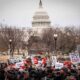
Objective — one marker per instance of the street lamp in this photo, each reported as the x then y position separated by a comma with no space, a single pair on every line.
10,50
55,39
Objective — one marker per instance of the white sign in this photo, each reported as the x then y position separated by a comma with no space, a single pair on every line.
58,65
74,57
54,60
18,65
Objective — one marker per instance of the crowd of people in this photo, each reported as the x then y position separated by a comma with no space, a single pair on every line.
29,72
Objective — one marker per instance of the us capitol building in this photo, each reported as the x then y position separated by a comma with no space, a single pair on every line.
40,20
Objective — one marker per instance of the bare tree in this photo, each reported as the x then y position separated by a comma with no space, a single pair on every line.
48,39
13,33
67,40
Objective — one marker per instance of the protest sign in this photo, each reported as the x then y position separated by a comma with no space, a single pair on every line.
44,60
74,57
58,65
19,64
35,60
54,60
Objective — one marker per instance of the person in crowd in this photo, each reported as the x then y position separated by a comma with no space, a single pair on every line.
28,72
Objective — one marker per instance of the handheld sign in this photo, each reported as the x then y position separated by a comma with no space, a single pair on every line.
58,65
74,58
18,65
54,60
35,60
44,61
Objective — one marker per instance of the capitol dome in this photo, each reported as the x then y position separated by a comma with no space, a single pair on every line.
41,16
40,19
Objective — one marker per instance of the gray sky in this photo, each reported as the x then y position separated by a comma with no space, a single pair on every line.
20,12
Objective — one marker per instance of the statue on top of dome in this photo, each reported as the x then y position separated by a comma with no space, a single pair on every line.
40,3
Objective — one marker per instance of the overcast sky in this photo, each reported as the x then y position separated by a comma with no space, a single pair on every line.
20,12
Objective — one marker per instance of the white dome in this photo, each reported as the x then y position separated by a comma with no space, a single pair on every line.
40,20
40,15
